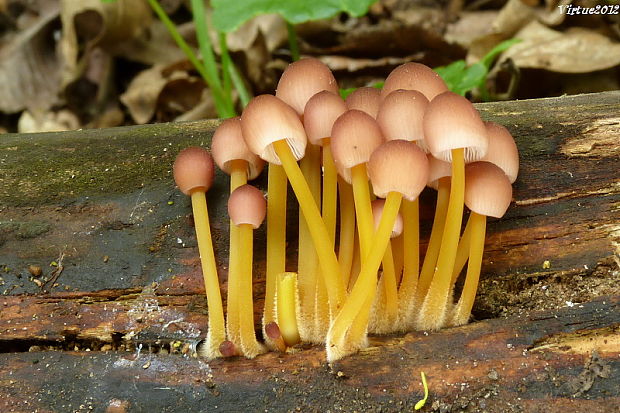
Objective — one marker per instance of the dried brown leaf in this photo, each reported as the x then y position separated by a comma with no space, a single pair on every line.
62,120
29,67
576,50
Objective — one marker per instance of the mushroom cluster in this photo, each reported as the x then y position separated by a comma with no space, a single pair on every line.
357,168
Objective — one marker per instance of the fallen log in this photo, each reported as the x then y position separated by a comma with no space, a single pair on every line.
97,253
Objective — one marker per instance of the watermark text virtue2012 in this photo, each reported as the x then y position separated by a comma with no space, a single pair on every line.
571,10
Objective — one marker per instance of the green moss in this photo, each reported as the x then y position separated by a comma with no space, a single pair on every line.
58,167
24,229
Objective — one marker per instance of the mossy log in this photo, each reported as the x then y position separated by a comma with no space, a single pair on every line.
97,214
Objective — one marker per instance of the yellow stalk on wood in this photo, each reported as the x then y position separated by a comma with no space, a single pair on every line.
238,177
411,262
434,243
217,330
346,242
330,269
466,302
432,315
276,237
287,306
337,344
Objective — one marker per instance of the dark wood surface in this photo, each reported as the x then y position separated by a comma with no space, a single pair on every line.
101,205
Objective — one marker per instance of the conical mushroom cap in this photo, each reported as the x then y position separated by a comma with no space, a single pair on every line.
265,120
355,136
452,122
366,99
193,170
303,79
502,150
398,166
401,116
487,189
228,145
247,205
414,76
320,113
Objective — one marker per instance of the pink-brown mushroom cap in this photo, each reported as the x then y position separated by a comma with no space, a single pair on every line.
366,99
267,119
355,136
487,189
452,122
247,205
414,76
303,79
398,166
502,150
377,209
228,145
193,170
401,116
320,113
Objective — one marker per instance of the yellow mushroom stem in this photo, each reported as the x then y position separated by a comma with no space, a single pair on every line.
399,257
238,177
307,259
411,261
366,281
462,252
330,269
363,209
466,302
250,347
217,330
276,237
390,291
330,190
432,315
346,243
434,243
287,305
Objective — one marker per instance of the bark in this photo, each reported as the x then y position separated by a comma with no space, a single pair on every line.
97,211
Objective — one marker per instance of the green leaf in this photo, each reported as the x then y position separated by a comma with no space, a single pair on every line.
230,14
452,74
488,59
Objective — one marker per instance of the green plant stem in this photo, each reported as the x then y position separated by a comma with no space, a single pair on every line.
204,42
223,110
226,62
231,73
292,41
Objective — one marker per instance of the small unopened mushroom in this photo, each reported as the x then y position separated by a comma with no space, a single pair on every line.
273,131
193,173
366,99
232,156
385,171
488,192
247,209
414,76
454,132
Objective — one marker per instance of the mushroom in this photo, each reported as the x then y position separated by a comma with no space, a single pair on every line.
488,192
396,106
454,132
319,115
232,156
299,83
385,168
274,132
247,209
193,173
503,152
366,99
355,135
414,76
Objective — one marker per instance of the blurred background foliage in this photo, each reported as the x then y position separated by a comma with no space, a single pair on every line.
68,64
